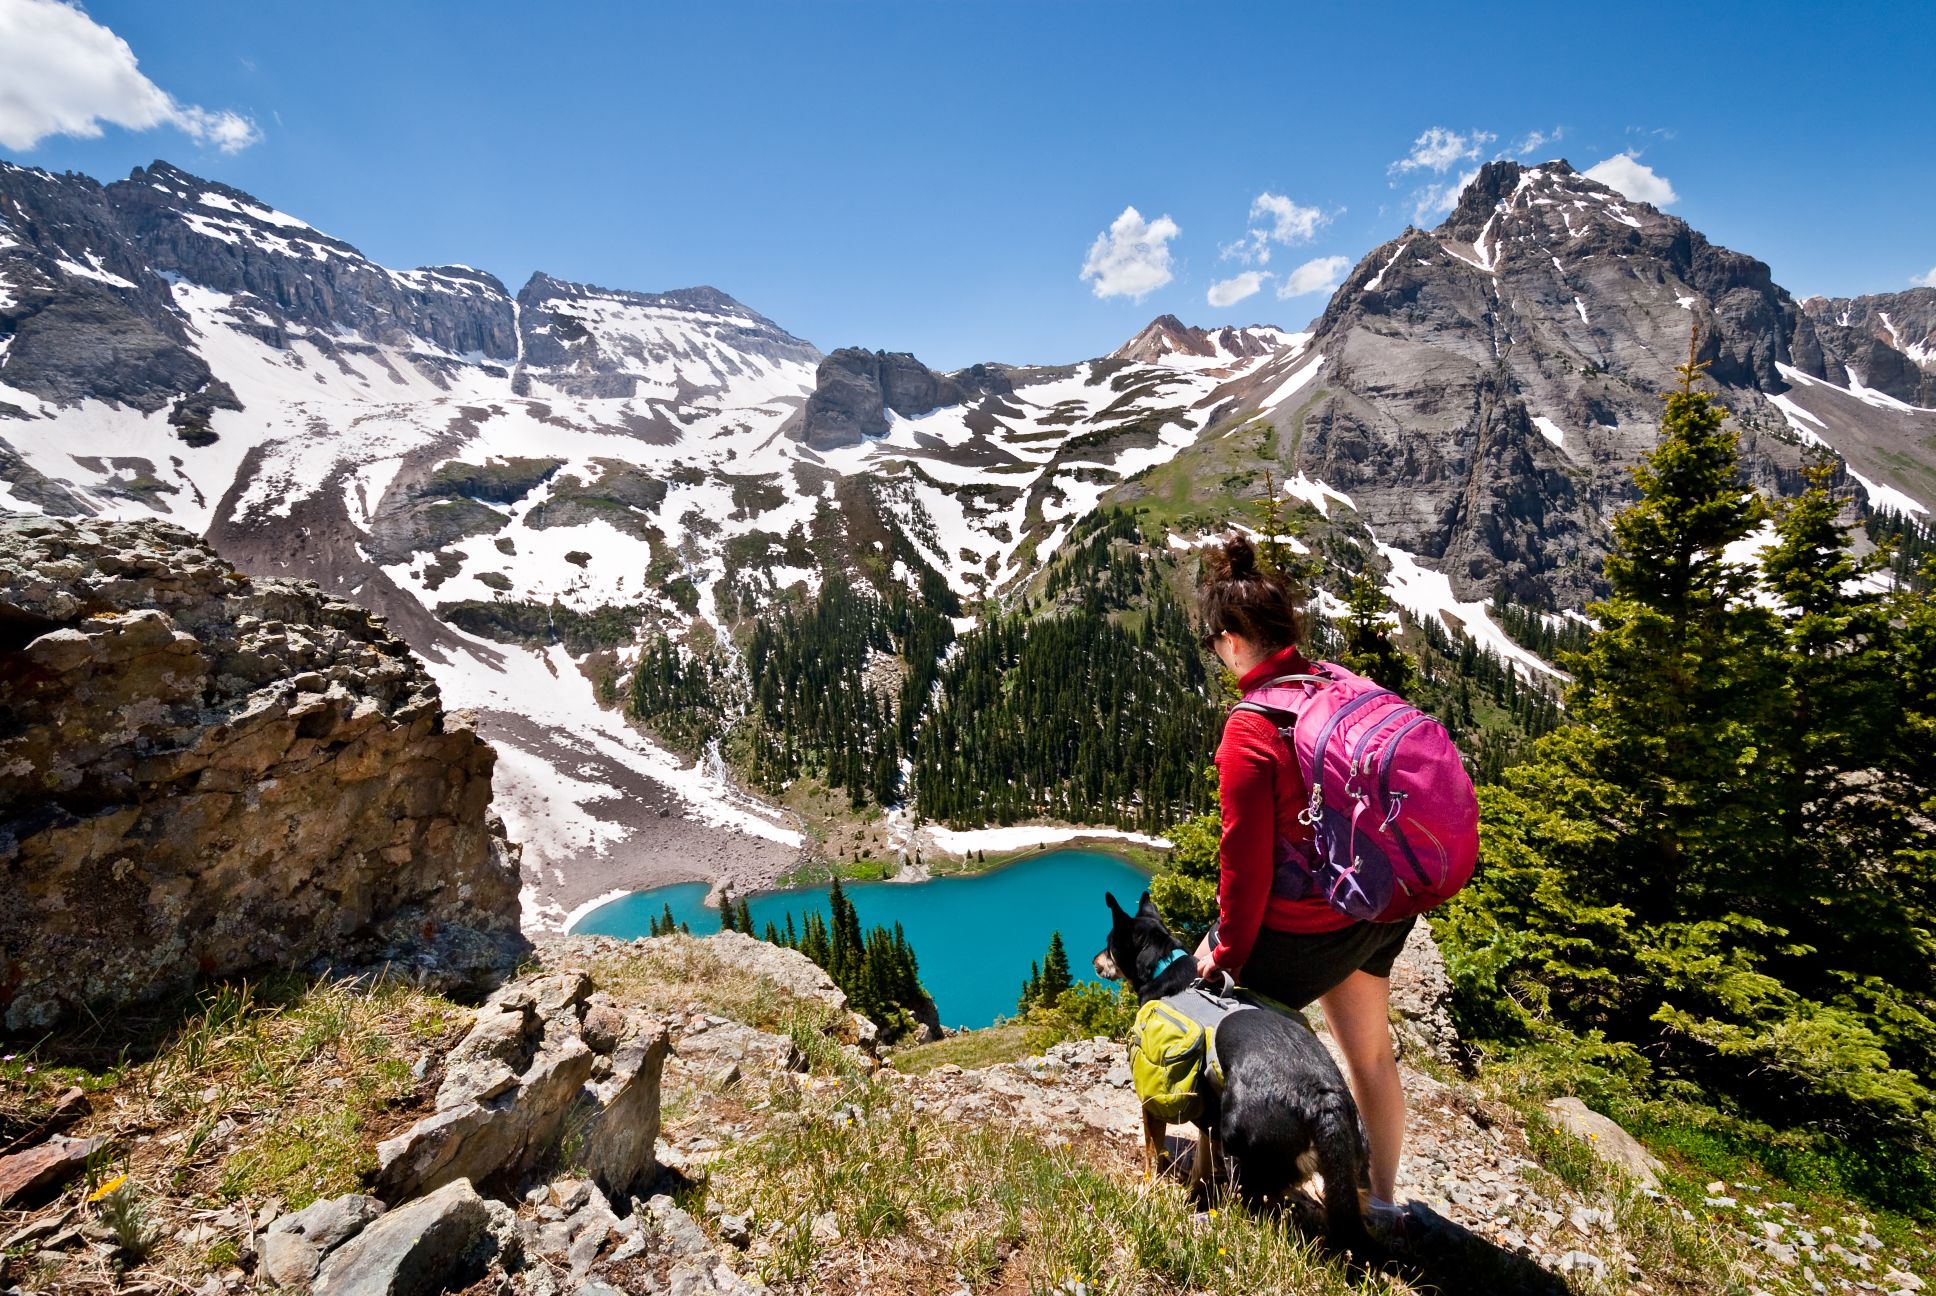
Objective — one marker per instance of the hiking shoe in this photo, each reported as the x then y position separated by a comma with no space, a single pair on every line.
1385,1221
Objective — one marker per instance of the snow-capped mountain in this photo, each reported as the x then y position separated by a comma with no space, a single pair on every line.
1479,390
448,454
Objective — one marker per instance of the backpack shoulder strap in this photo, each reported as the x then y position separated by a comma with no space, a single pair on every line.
1276,714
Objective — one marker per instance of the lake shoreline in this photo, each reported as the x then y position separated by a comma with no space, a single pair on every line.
1146,859
975,932
1146,853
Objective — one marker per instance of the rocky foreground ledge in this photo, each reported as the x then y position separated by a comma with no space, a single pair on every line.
203,774
687,1116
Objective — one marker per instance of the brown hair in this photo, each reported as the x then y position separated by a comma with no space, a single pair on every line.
1236,596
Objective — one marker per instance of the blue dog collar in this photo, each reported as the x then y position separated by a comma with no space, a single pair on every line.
1164,966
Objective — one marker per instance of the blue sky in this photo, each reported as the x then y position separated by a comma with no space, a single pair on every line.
935,177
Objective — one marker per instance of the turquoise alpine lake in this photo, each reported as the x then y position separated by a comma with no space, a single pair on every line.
973,936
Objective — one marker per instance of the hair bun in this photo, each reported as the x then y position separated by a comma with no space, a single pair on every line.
1239,557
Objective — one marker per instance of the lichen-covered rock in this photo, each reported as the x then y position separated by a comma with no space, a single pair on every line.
203,774
790,972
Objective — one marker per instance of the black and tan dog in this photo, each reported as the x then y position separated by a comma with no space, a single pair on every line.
1283,1113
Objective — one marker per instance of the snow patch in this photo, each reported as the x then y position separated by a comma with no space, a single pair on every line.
1886,499
1380,276
1427,593
92,271
1290,386
1316,494
963,841
1796,415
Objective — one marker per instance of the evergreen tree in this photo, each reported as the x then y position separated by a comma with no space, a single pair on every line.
772,934
1370,645
743,920
1657,881
876,969
1854,816
1031,988
814,943
1055,971
1676,693
728,917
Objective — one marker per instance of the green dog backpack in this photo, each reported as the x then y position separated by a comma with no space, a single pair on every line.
1167,1055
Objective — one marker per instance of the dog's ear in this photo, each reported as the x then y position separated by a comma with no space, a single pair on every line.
1114,906
1147,909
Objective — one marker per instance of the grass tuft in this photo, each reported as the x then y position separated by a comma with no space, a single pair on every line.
870,1194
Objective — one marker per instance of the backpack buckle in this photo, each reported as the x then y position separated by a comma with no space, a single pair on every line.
1313,812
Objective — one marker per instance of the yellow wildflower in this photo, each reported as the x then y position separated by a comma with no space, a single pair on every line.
108,1187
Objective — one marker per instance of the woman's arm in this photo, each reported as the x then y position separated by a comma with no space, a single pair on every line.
1247,786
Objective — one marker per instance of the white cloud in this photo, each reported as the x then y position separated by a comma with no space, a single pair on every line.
1634,178
1439,199
62,73
1535,141
1322,274
1274,219
1132,257
1244,249
1925,281
1289,223
1228,292
1439,149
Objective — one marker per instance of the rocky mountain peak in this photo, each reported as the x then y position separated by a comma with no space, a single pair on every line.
1168,340
1511,207
855,389
1526,340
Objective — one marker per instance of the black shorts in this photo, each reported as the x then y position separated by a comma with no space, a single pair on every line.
1299,967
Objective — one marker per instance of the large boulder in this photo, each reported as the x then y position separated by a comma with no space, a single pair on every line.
1607,1139
203,774
545,1056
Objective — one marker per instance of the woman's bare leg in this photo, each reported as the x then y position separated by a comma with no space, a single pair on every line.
1358,1013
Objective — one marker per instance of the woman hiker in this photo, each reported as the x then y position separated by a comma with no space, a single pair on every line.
1295,951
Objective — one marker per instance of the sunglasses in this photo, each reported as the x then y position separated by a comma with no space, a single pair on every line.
1209,638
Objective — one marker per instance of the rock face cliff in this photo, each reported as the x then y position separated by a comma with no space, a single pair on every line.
855,388
1487,384
203,774
1886,342
1479,391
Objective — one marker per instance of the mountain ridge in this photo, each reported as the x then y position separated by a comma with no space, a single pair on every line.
473,463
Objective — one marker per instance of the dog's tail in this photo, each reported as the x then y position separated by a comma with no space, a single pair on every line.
1344,1162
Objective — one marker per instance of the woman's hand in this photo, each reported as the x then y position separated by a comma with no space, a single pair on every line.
1206,964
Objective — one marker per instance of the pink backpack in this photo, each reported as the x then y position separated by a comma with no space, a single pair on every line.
1394,818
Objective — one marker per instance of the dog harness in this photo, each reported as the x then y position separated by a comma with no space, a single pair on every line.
1173,1050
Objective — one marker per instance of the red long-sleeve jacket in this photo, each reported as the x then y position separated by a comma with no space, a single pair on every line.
1262,792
